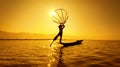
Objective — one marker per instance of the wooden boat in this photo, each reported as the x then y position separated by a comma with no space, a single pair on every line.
72,43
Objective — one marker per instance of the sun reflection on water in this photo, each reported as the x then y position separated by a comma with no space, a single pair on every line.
56,56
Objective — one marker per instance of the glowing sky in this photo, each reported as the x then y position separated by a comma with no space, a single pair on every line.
90,19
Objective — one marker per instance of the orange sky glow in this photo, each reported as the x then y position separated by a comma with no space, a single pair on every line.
88,19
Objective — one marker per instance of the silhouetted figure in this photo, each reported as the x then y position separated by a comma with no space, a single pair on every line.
61,26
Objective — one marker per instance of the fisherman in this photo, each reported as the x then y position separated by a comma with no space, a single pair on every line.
61,26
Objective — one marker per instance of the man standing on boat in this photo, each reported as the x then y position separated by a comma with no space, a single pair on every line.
61,26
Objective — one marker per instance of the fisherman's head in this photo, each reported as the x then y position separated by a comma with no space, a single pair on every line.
61,23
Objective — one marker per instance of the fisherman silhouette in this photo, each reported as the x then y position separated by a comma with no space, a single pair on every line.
60,16
61,26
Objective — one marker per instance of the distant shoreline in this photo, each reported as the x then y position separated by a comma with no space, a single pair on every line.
62,39
34,39
25,39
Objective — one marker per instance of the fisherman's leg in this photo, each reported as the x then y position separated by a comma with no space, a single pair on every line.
60,37
56,36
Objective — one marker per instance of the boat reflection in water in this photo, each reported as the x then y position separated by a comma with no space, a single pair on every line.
56,56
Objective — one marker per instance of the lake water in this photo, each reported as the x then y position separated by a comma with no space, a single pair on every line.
38,53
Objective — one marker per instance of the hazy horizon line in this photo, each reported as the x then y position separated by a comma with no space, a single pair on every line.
57,39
